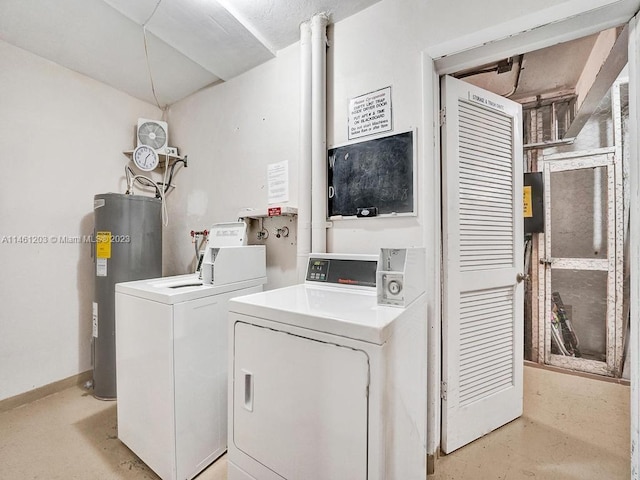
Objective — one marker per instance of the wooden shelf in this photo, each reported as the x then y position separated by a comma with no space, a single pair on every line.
162,157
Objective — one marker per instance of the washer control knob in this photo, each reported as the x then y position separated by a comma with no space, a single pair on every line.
394,287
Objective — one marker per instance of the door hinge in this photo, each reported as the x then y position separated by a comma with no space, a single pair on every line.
443,116
443,390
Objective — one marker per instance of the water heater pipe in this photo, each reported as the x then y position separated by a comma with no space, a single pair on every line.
304,166
319,133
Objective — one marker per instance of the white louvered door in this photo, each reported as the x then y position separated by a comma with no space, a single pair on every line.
483,254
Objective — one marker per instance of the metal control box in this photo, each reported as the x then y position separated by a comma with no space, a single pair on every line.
400,277
223,265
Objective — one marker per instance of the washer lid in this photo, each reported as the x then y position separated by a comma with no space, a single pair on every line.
180,288
348,313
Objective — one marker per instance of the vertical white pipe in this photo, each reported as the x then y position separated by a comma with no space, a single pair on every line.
304,165
319,133
597,209
634,238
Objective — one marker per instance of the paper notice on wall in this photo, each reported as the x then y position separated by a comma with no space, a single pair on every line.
370,113
101,267
95,319
278,181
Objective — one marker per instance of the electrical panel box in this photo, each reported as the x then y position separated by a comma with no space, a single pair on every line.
533,192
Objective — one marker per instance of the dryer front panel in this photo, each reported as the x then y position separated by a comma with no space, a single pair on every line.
300,406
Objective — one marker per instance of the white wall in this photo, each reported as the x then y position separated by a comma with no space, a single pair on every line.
231,132
370,51
61,138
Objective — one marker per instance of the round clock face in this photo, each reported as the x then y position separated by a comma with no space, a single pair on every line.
145,158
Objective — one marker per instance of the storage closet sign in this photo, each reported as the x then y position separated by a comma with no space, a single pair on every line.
370,113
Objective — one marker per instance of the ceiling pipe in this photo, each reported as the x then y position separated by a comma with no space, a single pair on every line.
319,133
516,83
304,166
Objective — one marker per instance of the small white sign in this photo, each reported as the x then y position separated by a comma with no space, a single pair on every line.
485,101
278,180
95,320
101,267
370,113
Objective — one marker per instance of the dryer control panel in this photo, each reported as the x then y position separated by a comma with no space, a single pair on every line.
360,272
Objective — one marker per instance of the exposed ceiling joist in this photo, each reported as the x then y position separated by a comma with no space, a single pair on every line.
607,59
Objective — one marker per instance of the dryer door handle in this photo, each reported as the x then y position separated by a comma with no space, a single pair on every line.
248,390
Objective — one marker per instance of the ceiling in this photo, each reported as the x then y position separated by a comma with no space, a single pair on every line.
161,51
553,70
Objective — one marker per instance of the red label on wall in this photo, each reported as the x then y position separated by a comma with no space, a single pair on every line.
275,211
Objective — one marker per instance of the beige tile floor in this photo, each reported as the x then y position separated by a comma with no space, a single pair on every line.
572,428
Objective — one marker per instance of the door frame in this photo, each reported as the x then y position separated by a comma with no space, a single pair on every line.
568,21
605,158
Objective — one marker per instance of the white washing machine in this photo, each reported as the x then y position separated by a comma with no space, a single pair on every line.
171,357
325,383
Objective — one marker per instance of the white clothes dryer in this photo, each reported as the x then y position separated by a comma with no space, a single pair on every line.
324,382
171,360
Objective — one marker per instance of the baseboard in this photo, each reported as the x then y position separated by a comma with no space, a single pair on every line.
41,392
